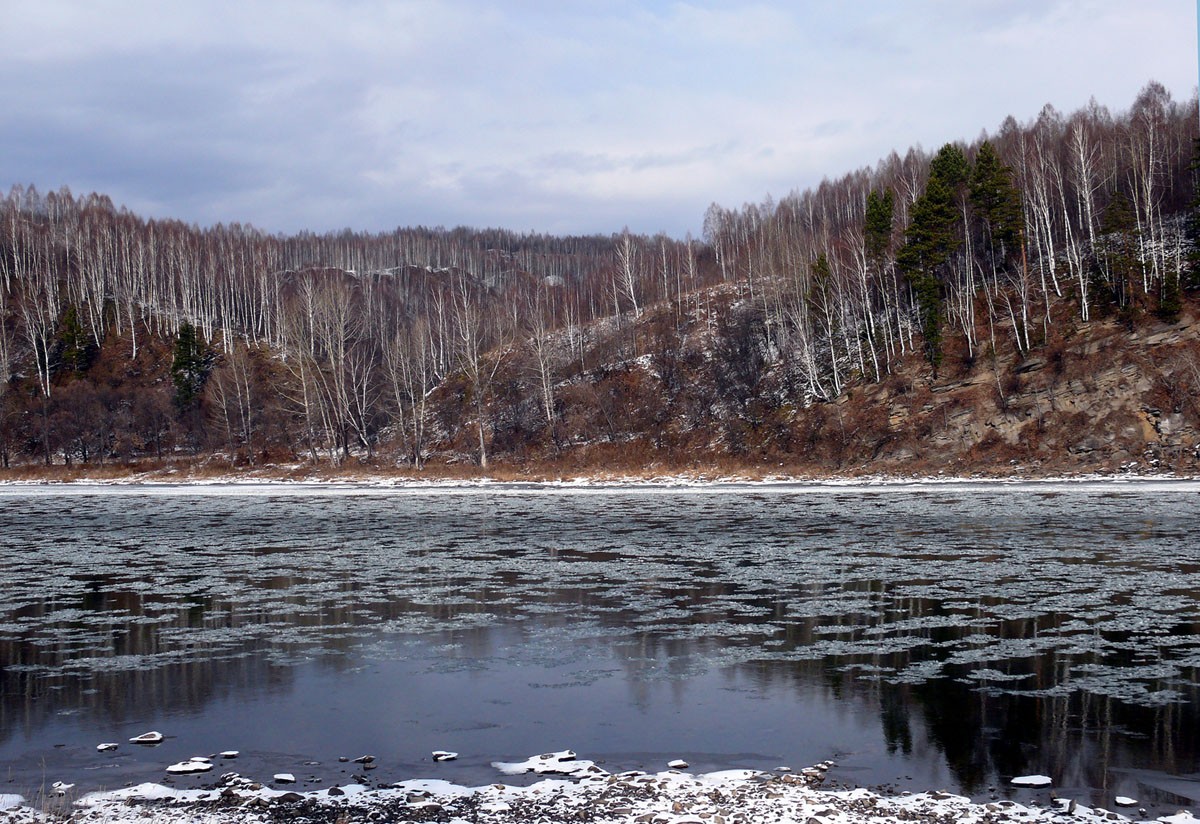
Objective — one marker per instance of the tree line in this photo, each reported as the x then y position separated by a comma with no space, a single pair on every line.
124,337
981,242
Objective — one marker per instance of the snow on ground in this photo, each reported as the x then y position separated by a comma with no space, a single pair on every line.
370,485
672,797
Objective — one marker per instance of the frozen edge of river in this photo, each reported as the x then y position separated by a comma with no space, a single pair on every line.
669,483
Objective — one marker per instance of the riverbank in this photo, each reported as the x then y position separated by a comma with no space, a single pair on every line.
355,474
587,794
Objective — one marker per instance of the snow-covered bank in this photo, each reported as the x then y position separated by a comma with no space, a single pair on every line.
243,484
588,794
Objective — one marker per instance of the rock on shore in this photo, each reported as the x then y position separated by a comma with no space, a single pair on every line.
728,797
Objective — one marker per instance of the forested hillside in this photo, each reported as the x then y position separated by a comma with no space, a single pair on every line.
1022,300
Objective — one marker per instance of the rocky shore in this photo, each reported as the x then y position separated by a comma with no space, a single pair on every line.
578,791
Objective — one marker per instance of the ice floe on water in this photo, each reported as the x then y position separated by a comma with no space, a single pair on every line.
594,795
150,738
1032,781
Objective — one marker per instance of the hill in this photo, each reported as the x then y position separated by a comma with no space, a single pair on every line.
1024,303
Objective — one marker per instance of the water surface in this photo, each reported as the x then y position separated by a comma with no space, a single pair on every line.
930,636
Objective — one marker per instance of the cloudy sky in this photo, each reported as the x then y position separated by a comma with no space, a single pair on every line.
561,116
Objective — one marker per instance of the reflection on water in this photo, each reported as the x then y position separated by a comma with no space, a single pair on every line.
961,635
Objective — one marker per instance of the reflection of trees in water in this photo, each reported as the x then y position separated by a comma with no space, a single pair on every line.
982,728
983,737
124,654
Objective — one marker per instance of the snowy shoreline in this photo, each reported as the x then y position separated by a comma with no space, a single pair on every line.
156,481
579,792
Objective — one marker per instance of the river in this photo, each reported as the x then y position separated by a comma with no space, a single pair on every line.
922,636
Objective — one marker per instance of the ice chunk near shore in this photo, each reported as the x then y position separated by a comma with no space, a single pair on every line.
678,764
1181,817
564,762
59,788
196,764
106,747
444,755
153,737
284,778
1032,781
1125,801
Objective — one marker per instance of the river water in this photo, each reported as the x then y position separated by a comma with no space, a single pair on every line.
937,636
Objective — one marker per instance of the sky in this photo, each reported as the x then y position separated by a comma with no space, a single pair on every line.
561,116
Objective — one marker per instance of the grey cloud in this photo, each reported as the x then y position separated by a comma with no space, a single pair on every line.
585,118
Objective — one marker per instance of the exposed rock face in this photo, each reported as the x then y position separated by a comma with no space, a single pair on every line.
1103,400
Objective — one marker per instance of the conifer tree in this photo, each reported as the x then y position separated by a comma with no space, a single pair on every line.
931,239
877,231
1119,269
996,203
76,349
190,365
1170,299
1193,220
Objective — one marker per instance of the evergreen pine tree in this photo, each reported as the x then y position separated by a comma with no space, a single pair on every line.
877,230
1192,279
1119,269
996,201
76,350
1170,299
189,367
931,239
